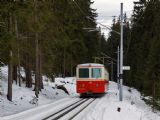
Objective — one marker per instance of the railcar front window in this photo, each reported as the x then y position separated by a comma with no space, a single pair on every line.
83,73
96,73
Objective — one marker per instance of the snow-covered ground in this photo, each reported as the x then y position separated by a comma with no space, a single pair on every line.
131,108
24,98
107,107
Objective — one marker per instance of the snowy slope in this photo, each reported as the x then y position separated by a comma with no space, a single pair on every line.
131,108
105,108
24,98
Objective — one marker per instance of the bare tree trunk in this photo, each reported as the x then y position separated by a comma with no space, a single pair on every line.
40,69
71,66
17,36
39,74
10,66
19,69
28,72
37,52
37,67
26,69
15,73
153,94
64,64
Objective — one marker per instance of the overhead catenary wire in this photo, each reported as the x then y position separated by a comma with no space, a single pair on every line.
105,26
102,25
92,18
108,27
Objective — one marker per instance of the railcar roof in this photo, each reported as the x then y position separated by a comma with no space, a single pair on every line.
91,65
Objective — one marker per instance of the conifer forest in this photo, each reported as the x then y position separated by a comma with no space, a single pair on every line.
50,37
141,48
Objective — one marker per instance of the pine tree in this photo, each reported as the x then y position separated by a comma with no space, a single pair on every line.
143,54
47,38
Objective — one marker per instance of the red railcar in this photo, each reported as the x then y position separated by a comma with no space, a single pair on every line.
91,78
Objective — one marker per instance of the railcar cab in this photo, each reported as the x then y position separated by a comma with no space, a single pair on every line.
91,78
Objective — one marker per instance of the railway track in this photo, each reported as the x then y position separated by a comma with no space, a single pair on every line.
70,111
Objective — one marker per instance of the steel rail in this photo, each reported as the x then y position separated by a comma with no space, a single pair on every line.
81,109
63,112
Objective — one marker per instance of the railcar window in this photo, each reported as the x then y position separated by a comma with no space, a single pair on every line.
96,73
83,73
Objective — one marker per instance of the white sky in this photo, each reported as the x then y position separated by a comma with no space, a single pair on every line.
108,8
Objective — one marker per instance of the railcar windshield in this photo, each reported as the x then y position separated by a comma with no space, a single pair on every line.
83,73
96,72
